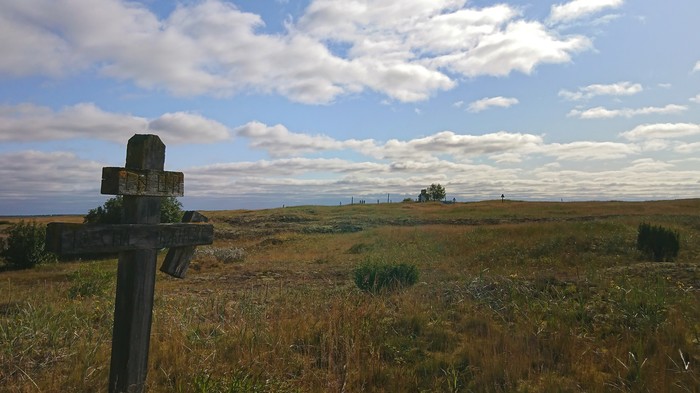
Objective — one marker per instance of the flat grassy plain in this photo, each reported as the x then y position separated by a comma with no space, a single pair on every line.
512,297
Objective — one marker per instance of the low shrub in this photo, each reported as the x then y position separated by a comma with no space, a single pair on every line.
657,242
376,277
25,245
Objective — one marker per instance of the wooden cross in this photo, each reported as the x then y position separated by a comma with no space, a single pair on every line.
143,183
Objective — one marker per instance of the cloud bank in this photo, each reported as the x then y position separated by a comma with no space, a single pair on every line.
604,113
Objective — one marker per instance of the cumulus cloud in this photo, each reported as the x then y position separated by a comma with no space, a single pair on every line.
696,99
278,141
520,46
185,127
615,89
214,48
578,9
29,122
662,131
604,113
490,102
697,67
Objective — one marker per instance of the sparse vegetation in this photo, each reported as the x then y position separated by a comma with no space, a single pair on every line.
515,297
224,255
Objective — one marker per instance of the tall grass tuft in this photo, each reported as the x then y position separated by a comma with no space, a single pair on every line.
659,243
377,277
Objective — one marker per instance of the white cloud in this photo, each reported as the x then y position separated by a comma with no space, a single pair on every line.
604,113
590,91
184,127
520,46
687,148
278,141
29,122
697,67
696,99
584,150
577,9
448,142
490,102
212,47
662,131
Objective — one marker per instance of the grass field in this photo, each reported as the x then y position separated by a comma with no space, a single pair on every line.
512,297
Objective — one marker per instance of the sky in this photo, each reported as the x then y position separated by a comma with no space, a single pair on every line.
265,103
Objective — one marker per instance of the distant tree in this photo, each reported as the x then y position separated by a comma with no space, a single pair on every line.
111,211
436,192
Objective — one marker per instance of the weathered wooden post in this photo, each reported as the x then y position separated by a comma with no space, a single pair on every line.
143,183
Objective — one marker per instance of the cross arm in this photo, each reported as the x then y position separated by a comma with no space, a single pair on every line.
65,238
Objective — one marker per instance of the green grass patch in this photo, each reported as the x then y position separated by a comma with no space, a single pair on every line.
378,277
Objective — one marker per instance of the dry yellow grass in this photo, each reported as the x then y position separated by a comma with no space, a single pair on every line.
515,296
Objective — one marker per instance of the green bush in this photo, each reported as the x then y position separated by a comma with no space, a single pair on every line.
376,277
657,242
24,246
111,211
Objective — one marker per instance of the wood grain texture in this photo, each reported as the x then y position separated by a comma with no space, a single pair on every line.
67,239
125,181
136,273
177,261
